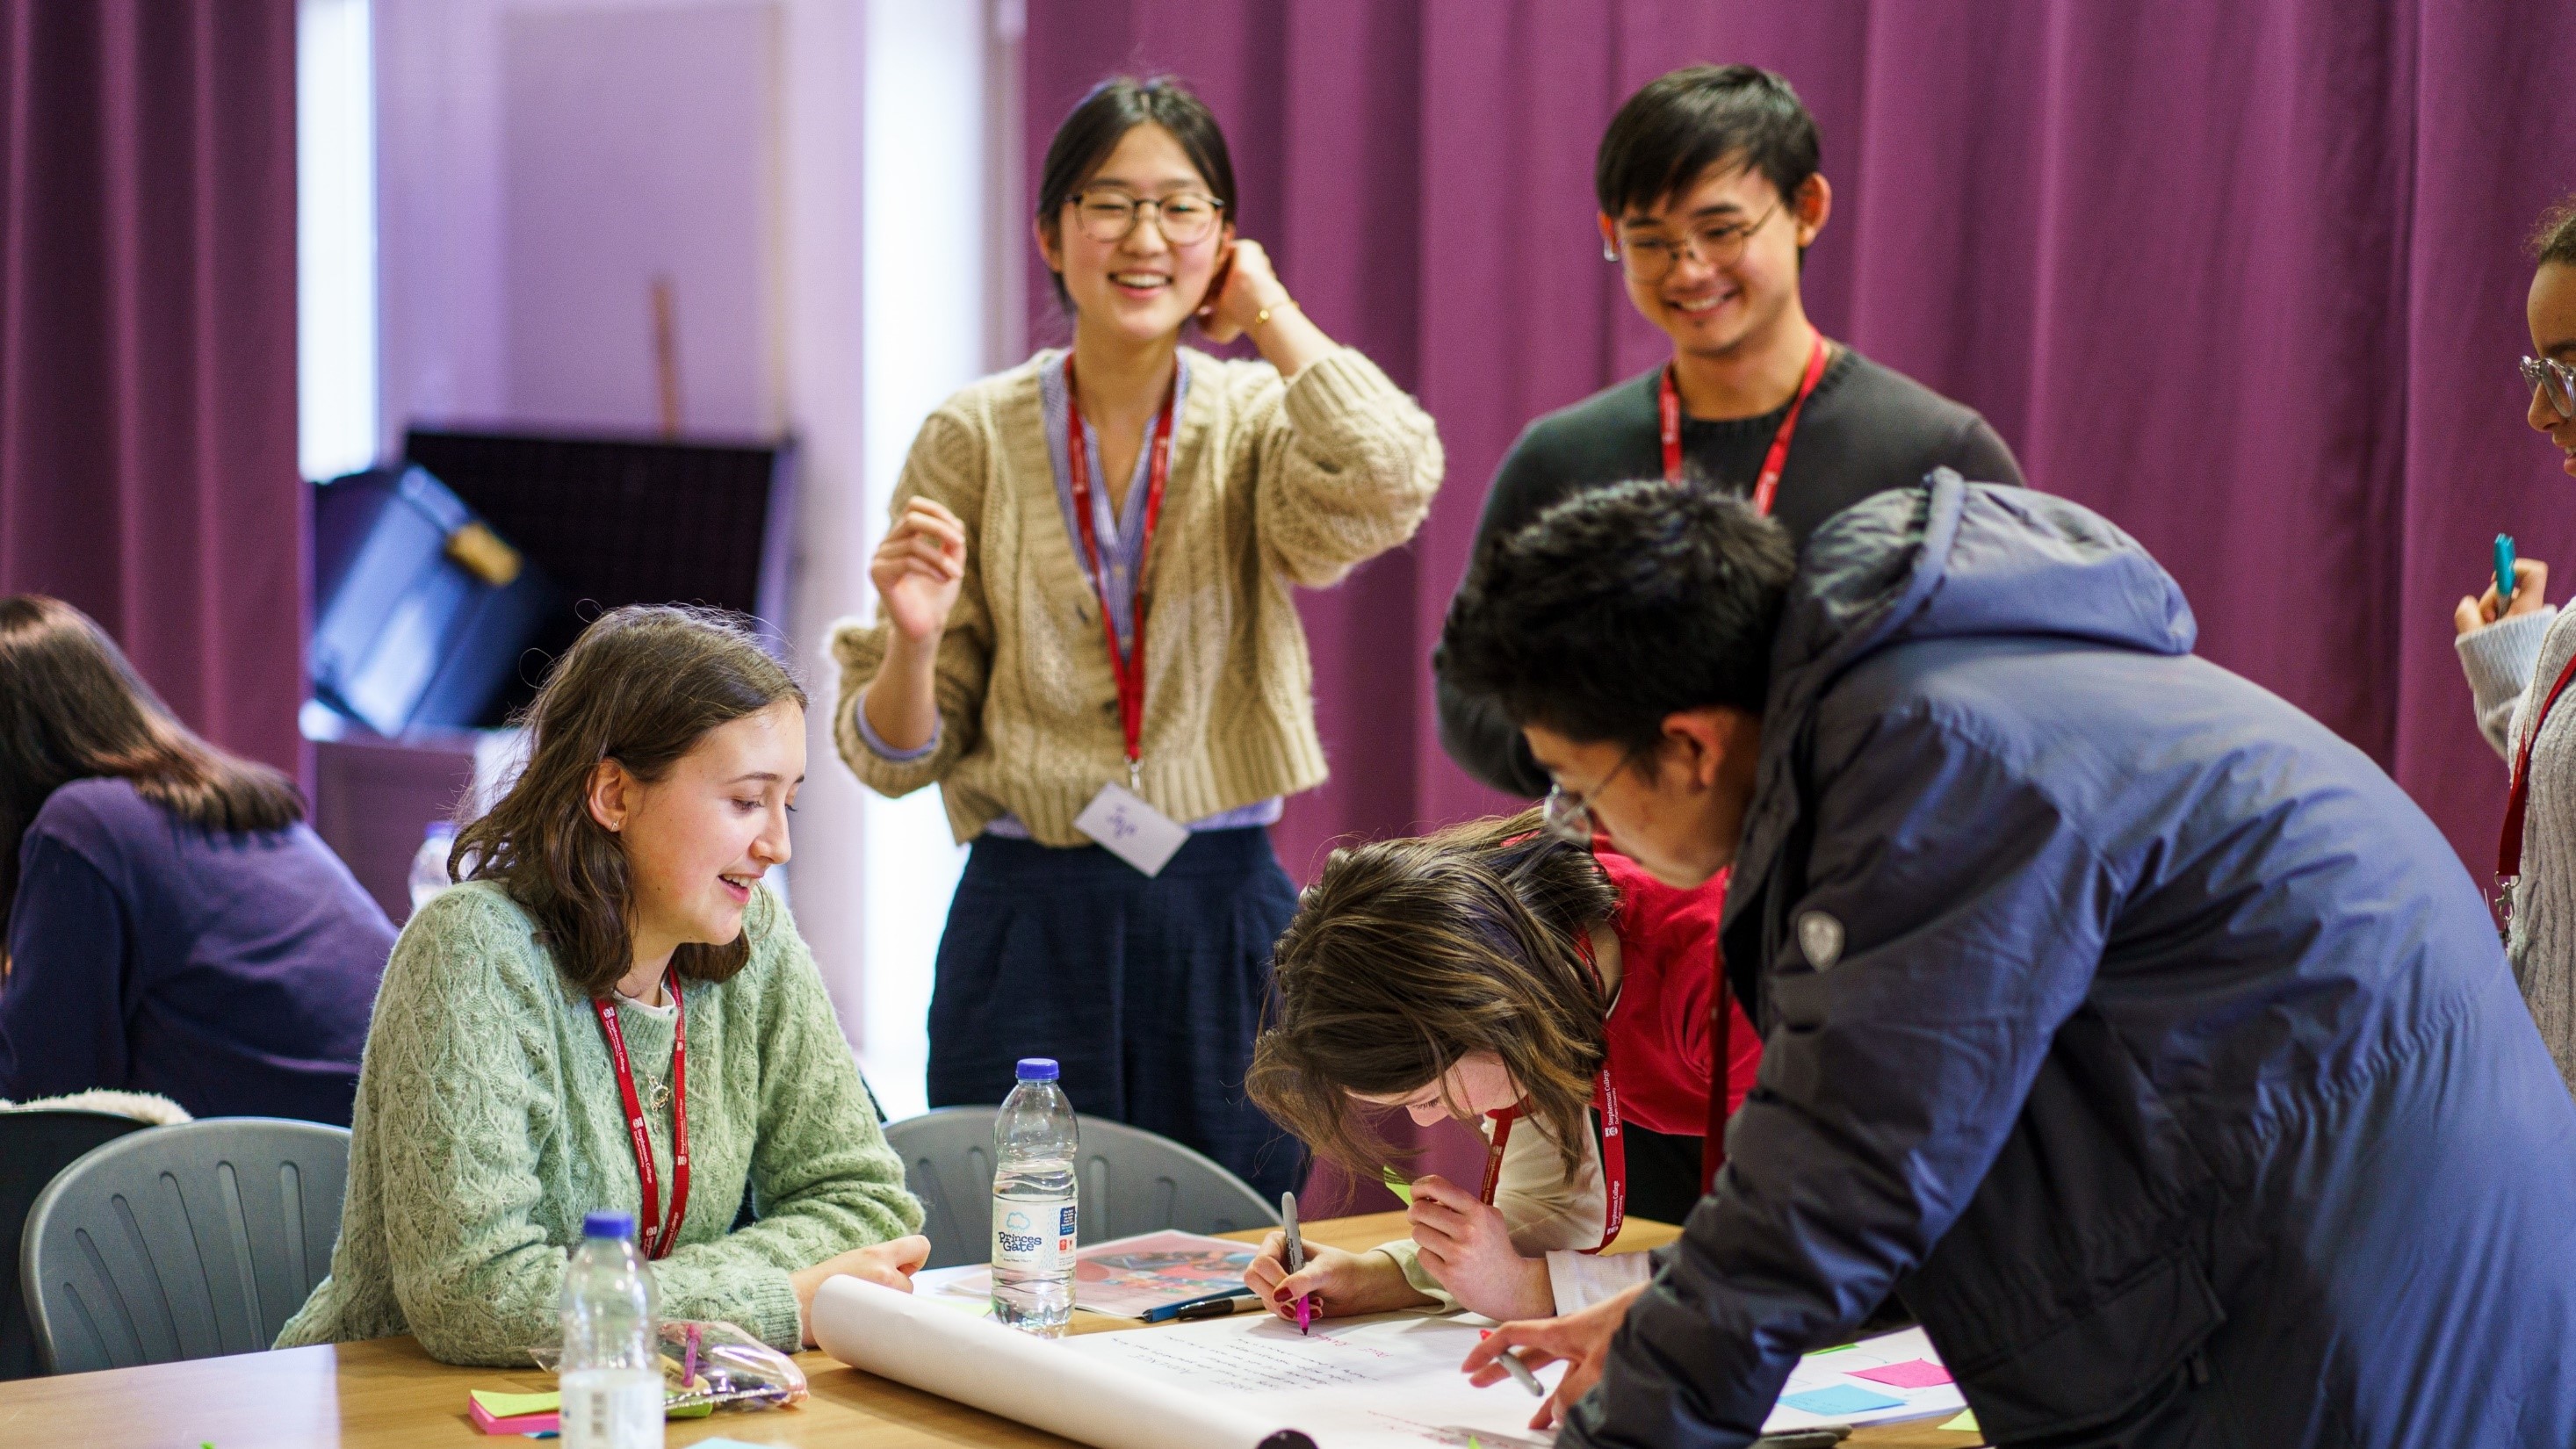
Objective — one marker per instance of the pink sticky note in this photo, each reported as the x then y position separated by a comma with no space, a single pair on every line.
1911,1374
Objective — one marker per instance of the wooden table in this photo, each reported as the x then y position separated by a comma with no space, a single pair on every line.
387,1394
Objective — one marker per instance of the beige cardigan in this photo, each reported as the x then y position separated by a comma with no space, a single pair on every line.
1271,485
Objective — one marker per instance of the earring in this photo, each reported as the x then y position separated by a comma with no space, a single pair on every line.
1609,253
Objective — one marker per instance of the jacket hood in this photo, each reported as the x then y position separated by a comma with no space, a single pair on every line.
1945,560
1950,560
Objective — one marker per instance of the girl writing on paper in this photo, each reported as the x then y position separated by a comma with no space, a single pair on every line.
2516,656
615,1009
1085,637
1501,973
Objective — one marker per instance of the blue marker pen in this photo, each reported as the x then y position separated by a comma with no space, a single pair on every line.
2504,572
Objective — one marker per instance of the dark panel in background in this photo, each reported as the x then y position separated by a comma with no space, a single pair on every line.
624,521
373,798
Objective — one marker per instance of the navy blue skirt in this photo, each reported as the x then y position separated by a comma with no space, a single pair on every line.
1148,990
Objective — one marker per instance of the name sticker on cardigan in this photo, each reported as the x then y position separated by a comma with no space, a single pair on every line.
1821,937
1130,829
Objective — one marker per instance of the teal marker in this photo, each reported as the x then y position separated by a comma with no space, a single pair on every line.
2504,572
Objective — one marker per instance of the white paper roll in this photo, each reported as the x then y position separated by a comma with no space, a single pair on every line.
977,1362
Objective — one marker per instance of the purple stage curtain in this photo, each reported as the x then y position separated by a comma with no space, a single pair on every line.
147,344
2245,277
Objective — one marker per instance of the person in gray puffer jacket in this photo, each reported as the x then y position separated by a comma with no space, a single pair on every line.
2124,1025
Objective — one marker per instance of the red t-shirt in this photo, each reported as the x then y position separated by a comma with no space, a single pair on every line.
1658,1029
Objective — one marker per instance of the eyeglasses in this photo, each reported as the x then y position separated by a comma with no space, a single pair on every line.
1108,216
2553,380
1567,816
1650,259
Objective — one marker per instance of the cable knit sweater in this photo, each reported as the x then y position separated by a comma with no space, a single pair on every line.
1271,485
488,1122
2511,664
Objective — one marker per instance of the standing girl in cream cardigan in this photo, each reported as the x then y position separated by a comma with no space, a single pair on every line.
1085,637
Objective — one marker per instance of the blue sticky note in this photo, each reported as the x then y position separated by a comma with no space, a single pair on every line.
1839,1399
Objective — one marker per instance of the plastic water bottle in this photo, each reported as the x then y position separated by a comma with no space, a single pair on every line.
611,1373
429,863
1034,1213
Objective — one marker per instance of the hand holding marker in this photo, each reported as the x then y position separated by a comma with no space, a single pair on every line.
1519,1371
2518,586
1296,1251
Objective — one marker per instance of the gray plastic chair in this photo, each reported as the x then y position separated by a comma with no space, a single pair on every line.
1130,1180
182,1242
36,1144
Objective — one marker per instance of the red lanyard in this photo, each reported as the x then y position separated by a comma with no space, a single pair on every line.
2518,798
1614,1146
1766,487
1128,666
1721,1030
1614,1155
658,1234
1605,1097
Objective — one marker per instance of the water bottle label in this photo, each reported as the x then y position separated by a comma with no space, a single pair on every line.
1034,1234
612,1409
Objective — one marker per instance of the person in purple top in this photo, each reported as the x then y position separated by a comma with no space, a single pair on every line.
170,923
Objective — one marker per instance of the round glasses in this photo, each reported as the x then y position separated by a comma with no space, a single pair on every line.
1567,815
1184,217
1650,259
2555,381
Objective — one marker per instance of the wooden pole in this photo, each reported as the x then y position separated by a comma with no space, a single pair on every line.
666,354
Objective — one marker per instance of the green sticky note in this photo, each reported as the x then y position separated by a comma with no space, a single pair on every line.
511,1406
1837,1348
1966,1423
1402,1189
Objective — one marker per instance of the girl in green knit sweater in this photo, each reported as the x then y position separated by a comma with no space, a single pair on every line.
615,909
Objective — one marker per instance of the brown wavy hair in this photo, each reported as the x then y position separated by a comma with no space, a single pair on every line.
641,686
1406,955
72,708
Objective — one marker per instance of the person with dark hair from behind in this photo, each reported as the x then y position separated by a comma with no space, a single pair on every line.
1086,634
1710,193
614,1009
169,923
2134,1031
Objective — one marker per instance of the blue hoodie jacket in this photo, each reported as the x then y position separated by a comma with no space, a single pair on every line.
2137,1033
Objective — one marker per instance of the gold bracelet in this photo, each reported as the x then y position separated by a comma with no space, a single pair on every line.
1262,317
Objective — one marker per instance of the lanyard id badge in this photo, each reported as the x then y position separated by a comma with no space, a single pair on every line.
1614,1158
656,1235
2517,801
1118,817
1614,1143
1766,487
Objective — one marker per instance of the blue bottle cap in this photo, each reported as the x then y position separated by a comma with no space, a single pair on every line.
1038,1069
608,1225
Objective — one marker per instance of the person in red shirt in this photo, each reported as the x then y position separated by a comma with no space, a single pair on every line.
1513,976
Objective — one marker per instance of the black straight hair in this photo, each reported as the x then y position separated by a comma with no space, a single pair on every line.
1619,607
1686,121
1103,117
